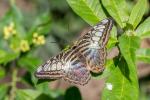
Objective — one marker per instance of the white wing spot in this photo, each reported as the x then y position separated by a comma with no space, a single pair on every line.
101,30
104,21
109,86
98,33
101,27
95,38
46,67
39,69
53,67
59,66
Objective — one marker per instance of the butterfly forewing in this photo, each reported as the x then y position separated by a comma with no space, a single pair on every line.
93,45
87,54
67,65
52,69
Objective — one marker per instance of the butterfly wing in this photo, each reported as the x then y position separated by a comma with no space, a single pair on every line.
92,45
69,66
88,54
75,68
52,69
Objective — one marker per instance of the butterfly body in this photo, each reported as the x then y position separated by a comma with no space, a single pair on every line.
87,54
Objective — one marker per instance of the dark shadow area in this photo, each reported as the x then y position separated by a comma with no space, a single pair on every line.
96,74
124,68
27,78
72,93
44,97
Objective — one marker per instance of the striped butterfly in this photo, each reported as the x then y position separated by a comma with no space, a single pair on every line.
87,54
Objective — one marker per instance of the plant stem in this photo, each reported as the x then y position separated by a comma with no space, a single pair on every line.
13,85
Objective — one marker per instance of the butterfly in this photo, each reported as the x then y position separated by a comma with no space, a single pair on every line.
87,54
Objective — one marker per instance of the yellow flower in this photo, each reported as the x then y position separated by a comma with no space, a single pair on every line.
38,40
41,39
24,45
6,33
9,30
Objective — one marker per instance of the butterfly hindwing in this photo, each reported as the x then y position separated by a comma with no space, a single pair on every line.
75,68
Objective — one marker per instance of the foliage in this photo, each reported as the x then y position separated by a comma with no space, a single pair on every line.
23,39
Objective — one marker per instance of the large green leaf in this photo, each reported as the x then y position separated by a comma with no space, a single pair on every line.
90,10
118,10
122,84
144,29
137,13
27,94
128,46
143,55
119,84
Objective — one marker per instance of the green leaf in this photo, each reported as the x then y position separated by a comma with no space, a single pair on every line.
44,88
137,13
113,38
123,82
2,72
90,10
128,46
16,13
143,31
112,42
30,63
3,91
6,57
143,55
119,84
27,94
73,93
118,10
41,24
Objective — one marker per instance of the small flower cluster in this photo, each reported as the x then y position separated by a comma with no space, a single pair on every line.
9,30
22,45
38,39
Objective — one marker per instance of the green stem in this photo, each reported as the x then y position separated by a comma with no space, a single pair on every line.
13,85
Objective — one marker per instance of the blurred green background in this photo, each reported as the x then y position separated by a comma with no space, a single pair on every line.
31,31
